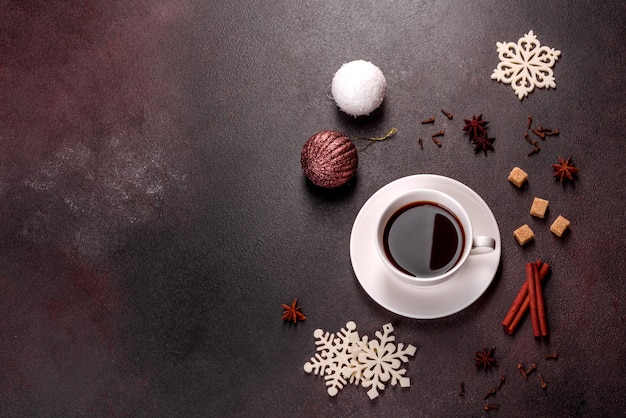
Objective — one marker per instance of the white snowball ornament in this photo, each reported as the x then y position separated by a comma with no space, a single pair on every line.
359,87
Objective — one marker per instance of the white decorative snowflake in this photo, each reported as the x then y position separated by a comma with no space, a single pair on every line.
333,357
525,65
345,357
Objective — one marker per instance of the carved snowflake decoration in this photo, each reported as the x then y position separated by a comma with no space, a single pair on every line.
525,65
333,357
345,358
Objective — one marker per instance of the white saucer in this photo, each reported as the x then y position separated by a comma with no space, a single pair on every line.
424,302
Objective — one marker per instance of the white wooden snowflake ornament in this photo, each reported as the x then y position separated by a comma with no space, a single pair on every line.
346,358
525,65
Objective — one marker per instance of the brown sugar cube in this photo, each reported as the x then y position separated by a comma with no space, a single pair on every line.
523,234
539,207
559,226
518,177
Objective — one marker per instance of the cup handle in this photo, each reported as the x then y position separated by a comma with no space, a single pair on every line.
483,245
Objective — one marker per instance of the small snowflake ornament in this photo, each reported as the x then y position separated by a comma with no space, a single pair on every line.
333,357
525,65
345,358
379,361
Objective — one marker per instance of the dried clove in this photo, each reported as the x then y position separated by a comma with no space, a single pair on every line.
534,151
529,121
462,390
547,131
440,133
429,120
553,356
491,392
530,141
420,141
532,368
520,367
534,143
543,383
501,382
538,133
436,141
491,407
448,114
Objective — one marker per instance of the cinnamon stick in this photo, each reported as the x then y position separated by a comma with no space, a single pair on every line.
518,302
532,295
522,302
519,306
510,329
541,308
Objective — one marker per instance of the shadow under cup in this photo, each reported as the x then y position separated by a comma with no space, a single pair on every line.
424,236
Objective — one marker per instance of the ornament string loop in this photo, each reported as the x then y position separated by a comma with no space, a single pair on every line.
329,93
374,139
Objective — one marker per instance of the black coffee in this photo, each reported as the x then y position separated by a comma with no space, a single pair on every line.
424,239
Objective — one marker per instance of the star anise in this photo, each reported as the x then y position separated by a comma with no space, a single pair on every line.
475,127
293,312
482,143
485,359
565,169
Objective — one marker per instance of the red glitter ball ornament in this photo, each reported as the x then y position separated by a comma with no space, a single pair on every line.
329,159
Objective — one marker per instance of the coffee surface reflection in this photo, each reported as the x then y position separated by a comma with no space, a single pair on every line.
423,239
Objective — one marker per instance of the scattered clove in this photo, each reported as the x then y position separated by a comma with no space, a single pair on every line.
520,367
538,133
436,141
429,120
529,121
501,382
440,133
448,114
530,141
543,383
532,368
462,390
553,356
545,131
421,142
491,392
534,143
534,151
492,407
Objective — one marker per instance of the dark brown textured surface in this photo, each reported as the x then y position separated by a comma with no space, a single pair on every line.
154,214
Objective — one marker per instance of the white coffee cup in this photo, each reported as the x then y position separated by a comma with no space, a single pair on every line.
424,236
